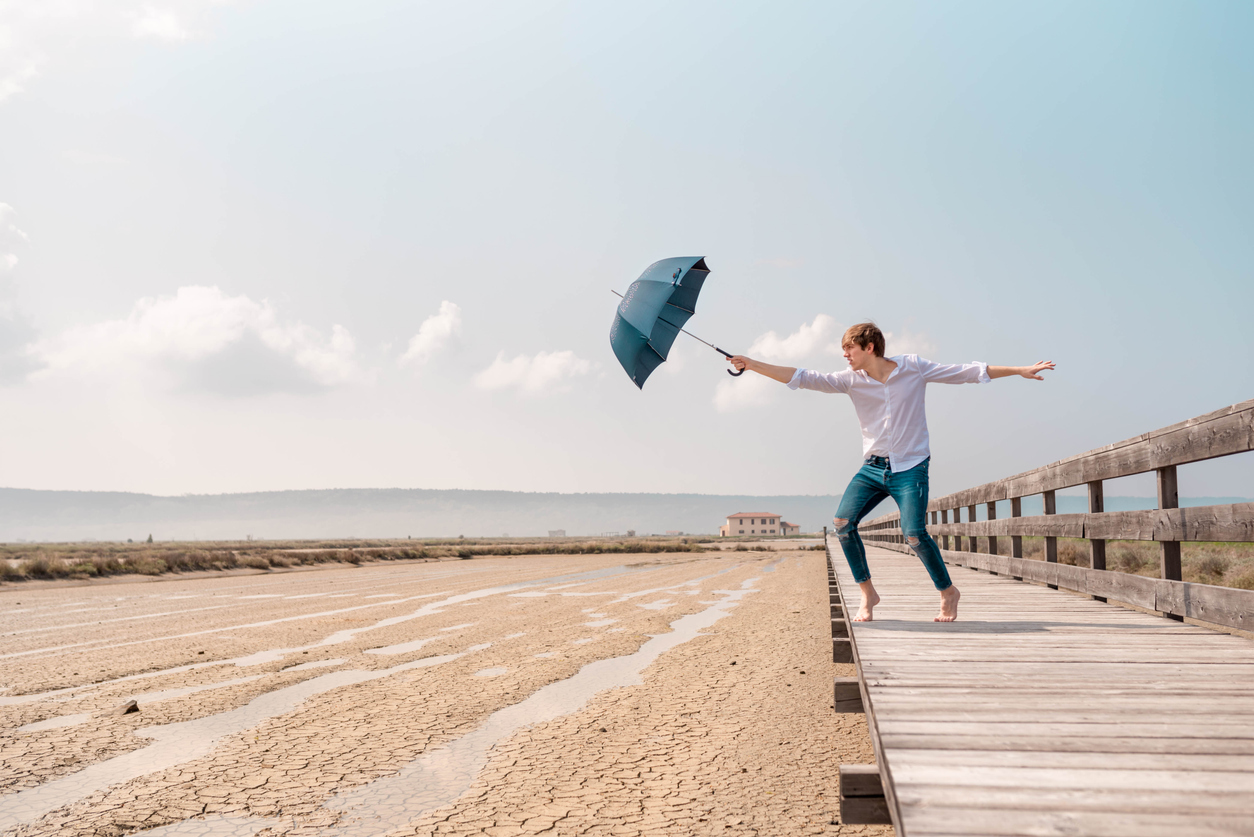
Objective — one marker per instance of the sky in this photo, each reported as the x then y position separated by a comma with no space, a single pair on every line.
270,244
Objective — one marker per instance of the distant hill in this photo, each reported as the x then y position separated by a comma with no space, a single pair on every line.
28,515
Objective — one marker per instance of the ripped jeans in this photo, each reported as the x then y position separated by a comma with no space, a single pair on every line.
873,482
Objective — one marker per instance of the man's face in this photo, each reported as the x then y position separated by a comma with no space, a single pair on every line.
857,356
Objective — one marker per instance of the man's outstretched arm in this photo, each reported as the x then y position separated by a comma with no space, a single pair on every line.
1032,371
783,374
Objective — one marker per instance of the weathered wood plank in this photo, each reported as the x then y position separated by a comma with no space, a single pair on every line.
1067,760
1010,822
1197,803
1078,744
862,795
1221,433
1218,605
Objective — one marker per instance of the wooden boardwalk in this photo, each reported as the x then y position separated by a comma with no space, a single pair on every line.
1043,712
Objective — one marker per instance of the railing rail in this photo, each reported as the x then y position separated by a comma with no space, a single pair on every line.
1221,433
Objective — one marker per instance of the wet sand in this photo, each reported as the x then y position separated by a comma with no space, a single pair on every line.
599,694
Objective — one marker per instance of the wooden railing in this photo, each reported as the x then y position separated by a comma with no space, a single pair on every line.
1221,433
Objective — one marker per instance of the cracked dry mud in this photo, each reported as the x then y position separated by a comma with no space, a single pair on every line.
452,698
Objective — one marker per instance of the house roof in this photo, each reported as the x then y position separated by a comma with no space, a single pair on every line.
754,514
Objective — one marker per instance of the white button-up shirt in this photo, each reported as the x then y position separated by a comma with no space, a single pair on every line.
893,419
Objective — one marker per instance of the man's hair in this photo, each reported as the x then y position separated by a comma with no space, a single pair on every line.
864,335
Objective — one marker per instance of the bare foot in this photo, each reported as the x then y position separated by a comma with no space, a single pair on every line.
869,600
949,605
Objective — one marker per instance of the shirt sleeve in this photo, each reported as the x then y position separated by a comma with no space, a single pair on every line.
975,372
821,381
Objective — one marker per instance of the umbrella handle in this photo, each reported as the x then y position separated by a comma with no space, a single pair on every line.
728,356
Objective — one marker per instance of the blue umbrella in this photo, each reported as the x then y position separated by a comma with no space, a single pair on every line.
654,310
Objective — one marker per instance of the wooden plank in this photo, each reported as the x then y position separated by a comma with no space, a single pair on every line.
1197,803
1221,433
1097,546
1201,762
991,509
1168,498
1100,710
862,799
1012,822
1097,743
1061,730
1016,541
1001,776
1230,523
1218,605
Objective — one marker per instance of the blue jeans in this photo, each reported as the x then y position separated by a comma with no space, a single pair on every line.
873,482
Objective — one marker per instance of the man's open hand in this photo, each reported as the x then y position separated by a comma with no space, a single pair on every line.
1034,371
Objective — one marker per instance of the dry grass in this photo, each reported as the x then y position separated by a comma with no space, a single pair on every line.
21,562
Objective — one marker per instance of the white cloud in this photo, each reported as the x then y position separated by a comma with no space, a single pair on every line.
10,237
206,341
435,333
36,33
811,341
533,375
819,337
161,24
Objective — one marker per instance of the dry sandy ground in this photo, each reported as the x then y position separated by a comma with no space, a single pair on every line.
649,694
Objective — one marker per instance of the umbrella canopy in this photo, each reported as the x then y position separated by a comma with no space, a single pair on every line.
654,309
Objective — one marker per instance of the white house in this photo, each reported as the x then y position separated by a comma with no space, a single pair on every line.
757,523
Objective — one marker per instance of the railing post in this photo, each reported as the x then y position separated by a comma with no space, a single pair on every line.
973,543
1097,546
1169,554
1051,543
992,539
944,515
1016,541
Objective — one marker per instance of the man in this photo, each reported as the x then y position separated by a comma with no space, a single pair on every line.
887,394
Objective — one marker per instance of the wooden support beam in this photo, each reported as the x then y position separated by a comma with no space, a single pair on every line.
848,695
992,515
862,799
1097,546
1016,541
1051,543
842,650
840,628
944,518
1169,551
973,544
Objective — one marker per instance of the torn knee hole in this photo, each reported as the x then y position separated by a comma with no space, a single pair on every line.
912,541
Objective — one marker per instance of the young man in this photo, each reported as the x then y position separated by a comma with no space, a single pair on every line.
887,393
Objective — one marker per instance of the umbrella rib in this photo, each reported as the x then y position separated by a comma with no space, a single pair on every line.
685,310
